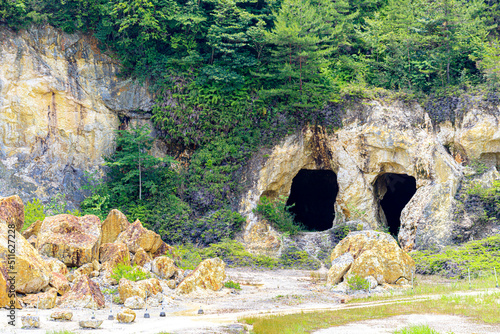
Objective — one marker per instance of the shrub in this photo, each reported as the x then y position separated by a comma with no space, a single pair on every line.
222,224
33,211
292,257
132,273
277,212
357,283
232,285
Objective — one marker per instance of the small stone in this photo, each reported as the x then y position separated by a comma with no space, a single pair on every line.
65,316
126,316
134,303
372,281
30,321
90,323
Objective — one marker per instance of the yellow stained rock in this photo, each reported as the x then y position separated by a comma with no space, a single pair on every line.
209,275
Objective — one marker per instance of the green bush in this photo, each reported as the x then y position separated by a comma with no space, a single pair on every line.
277,212
417,329
213,228
33,211
480,256
357,283
232,285
132,273
292,257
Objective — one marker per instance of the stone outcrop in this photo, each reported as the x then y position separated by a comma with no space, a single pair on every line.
340,265
73,240
136,236
126,316
12,211
56,266
32,230
208,275
151,286
42,301
113,225
374,254
83,294
61,100
60,283
8,297
31,270
127,289
141,257
134,303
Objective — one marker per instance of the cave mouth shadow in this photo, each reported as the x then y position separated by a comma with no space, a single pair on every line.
313,194
400,188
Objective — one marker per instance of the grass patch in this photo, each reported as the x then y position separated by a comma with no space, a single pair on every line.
480,256
132,273
111,291
483,307
417,329
232,285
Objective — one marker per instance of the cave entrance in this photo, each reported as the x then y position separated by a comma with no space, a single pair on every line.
397,190
314,192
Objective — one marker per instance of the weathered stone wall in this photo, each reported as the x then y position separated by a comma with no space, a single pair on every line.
378,138
60,101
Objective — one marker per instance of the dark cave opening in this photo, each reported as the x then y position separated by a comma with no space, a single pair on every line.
314,192
400,189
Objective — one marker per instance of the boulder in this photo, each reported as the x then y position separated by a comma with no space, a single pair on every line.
134,303
30,321
152,286
56,266
92,323
62,315
32,230
7,297
163,250
83,294
339,267
164,267
42,301
60,283
12,211
126,316
86,269
112,254
141,257
208,275
113,225
375,254
31,270
136,236
127,289
73,240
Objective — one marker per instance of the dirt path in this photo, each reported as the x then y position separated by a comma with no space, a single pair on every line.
262,293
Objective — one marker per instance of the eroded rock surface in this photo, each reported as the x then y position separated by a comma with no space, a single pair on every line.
208,275
113,225
83,294
12,211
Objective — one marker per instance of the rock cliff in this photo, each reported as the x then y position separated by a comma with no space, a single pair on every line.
60,101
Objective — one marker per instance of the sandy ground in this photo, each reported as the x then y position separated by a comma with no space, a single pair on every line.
262,292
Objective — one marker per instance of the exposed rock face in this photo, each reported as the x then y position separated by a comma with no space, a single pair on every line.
73,240
32,230
83,294
136,236
141,257
209,275
374,254
378,138
56,266
340,266
126,316
112,254
164,267
86,269
8,297
60,283
31,270
134,303
152,286
113,225
61,100
12,211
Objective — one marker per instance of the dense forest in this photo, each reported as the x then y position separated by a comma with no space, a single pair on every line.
231,75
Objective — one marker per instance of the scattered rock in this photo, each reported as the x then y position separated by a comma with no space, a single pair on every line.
93,324
136,236
86,269
42,301
127,289
164,267
134,303
339,267
372,282
171,283
126,316
113,225
141,257
73,240
208,275
62,315
152,286
375,254
97,266
112,254
12,211
32,273
32,230
83,294
30,321
56,266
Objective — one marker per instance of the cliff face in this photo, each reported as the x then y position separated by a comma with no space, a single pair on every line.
379,139
60,101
